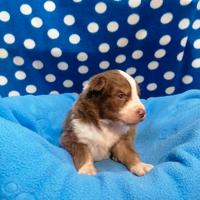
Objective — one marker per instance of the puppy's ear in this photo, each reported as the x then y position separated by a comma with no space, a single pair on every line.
97,83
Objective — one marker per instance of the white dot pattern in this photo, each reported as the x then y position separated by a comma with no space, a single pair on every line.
3,53
104,64
36,22
17,60
49,6
93,27
69,20
26,9
112,26
37,64
9,38
155,4
53,33
56,48
4,16
166,18
100,7
29,43
74,39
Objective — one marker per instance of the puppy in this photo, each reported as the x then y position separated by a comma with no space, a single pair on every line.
102,123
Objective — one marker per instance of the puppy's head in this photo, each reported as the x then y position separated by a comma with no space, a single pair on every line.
116,95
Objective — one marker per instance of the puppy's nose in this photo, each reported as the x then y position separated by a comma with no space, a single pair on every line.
141,113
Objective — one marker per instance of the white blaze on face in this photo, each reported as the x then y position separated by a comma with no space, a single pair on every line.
128,112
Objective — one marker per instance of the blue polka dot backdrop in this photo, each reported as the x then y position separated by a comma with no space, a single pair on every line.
55,46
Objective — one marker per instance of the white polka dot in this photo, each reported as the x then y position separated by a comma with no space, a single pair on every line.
120,58
3,53
187,79
85,83
169,75
185,2
131,70
122,42
197,44
68,83
25,9
13,93
29,44
134,3
37,64
160,53
83,69
170,90
165,40
31,89
166,18
153,65
198,5
56,52
104,47
104,64
137,54
63,66
196,63
18,60
152,86
180,56
139,79
196,24
4,16
20,75
155,4
49,6
112,26
184,23
82,56
100,7
141,34
184,41
36,22
74,39
9,38
93,27
54,92
3,80
69,20
53,33
133,19
50,78
77,1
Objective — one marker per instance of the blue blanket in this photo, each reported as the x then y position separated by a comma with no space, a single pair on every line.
33,166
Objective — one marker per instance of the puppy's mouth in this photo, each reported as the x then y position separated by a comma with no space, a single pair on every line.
133,123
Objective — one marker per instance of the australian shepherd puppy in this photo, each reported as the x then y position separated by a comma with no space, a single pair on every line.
103,121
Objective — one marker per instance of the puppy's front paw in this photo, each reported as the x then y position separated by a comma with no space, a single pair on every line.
140,169
88,169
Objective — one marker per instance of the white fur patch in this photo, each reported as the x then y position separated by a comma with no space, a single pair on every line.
128,111
88,168
101,140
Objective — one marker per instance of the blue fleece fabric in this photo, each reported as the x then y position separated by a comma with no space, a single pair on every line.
33,166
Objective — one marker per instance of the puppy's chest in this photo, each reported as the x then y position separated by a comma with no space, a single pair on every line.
98,140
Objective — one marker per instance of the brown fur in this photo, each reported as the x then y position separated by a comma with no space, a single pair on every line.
102,98
124,151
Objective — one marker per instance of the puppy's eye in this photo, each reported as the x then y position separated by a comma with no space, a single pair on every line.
121,95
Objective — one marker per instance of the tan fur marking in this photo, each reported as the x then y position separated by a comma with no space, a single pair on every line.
124,152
